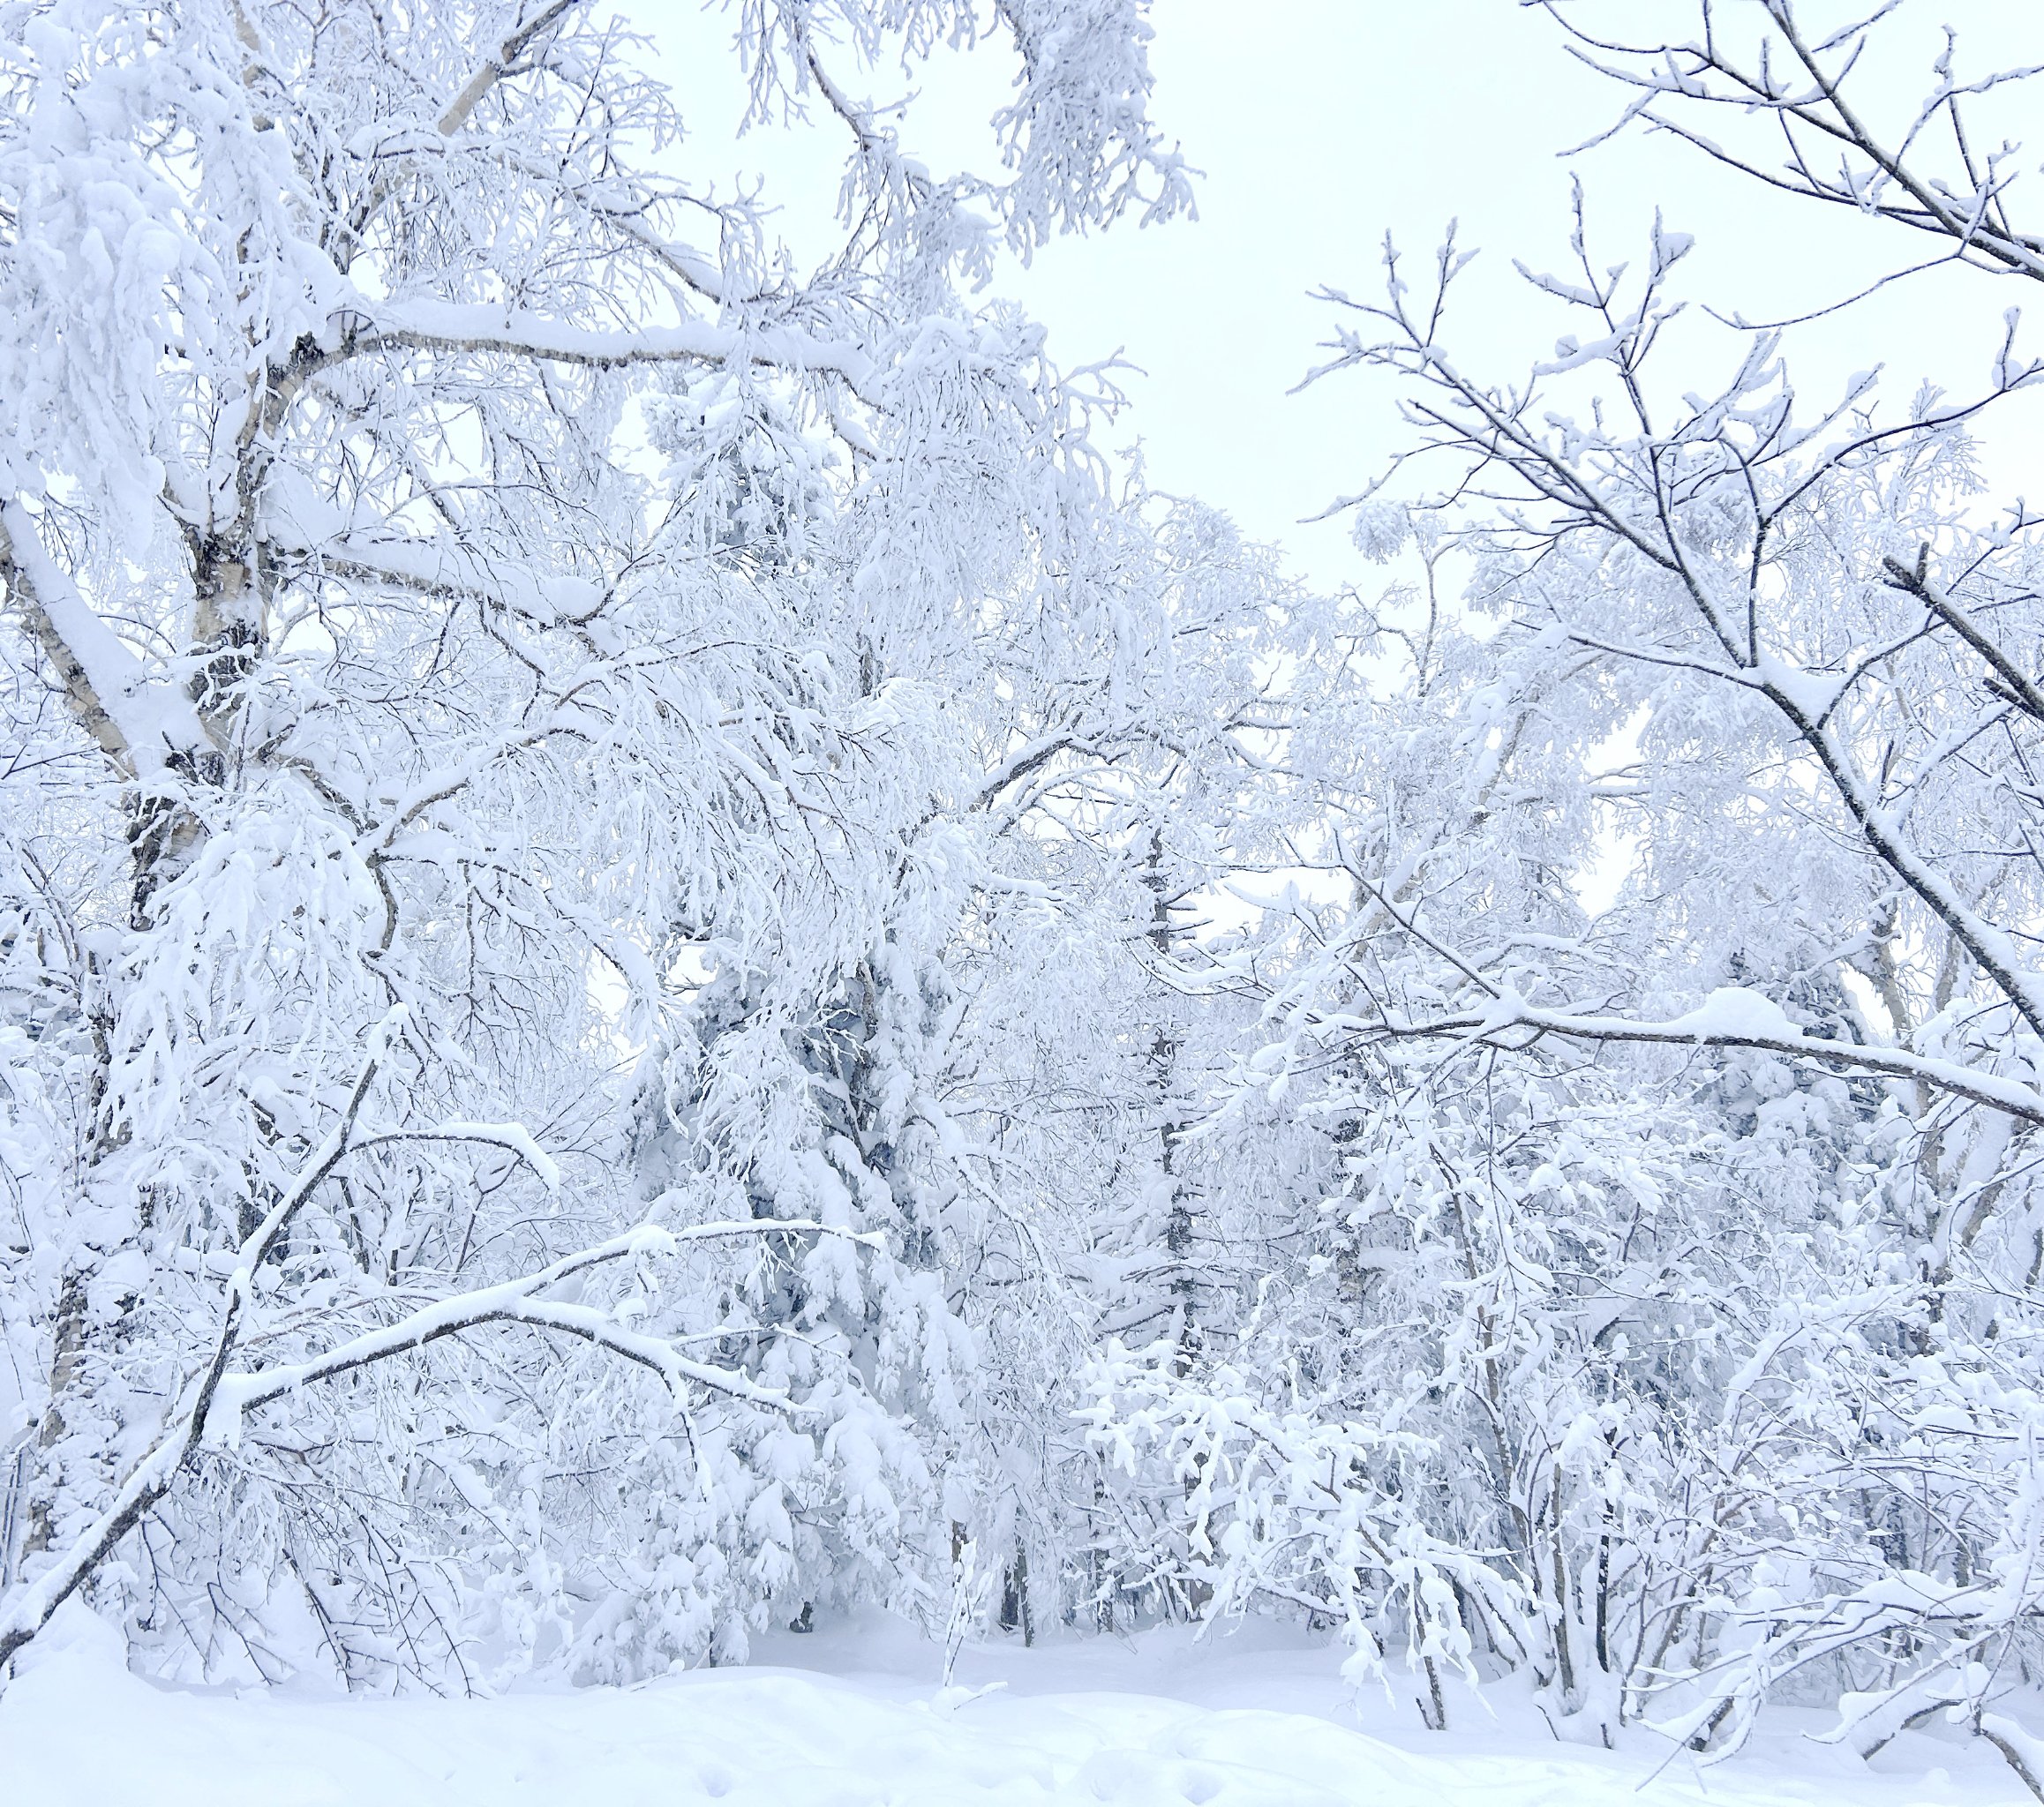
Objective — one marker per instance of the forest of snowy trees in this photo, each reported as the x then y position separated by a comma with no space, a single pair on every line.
673,961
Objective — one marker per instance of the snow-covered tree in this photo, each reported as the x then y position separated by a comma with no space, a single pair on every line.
1676,1258
477,611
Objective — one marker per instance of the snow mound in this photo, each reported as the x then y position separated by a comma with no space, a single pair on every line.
77,1730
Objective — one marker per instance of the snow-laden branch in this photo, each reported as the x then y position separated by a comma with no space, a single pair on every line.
1835,153
519,1301
26,1613
474,327
140,721
219,1401
1738,452
1732,1018
494,69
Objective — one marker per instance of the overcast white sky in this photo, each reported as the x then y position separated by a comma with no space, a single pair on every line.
1319,125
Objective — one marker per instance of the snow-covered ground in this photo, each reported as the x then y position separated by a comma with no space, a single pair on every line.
1253,1721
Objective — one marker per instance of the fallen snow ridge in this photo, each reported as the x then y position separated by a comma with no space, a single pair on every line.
1209,1727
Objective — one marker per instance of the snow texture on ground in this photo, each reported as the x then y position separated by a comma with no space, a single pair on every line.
1256,1721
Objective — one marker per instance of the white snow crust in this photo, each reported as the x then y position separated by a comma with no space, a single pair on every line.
1259,1719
